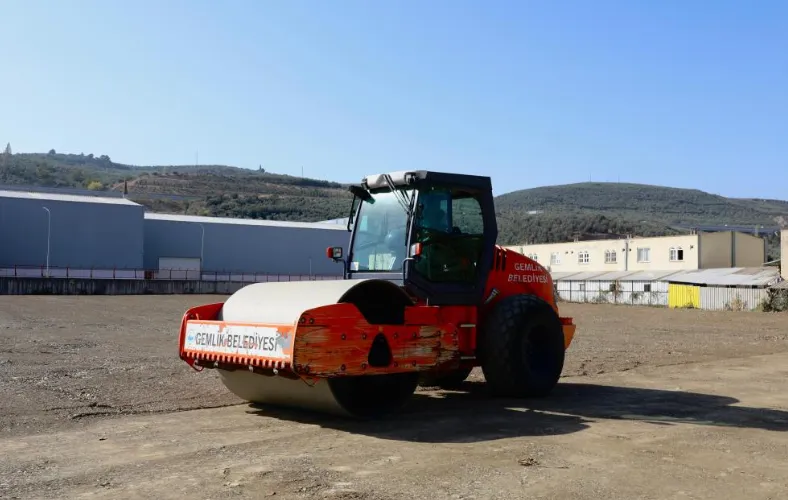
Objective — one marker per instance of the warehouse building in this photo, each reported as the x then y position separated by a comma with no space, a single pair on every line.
665,253
187,246
112,237
69,231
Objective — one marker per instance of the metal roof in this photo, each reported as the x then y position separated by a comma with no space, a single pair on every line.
613,275
29,195
589,276
561,275
734,276
342,221
782,285
651,275
242,222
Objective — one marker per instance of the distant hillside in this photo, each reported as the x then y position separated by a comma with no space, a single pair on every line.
672,206
593,209
539,215
215,190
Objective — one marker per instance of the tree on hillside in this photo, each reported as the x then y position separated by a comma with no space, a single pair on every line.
7,154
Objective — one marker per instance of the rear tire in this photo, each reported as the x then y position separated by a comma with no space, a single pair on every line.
450,380
521,346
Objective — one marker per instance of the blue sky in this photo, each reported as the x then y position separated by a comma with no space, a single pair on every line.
686,94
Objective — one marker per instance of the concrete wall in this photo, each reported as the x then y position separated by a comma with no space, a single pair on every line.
252,246
84,233
716,250
749,251
60,286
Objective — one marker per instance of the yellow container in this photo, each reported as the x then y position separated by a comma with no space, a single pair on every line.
683,296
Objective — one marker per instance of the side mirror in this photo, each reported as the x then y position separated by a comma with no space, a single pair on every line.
334,253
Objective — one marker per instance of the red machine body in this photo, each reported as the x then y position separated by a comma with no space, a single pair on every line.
336,339
453,301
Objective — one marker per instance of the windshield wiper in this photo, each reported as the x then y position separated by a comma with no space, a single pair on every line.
403,199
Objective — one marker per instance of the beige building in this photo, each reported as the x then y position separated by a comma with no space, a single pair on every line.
666,253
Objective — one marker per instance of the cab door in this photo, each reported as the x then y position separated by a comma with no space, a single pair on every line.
452,238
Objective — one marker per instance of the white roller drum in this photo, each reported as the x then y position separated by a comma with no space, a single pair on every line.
283,303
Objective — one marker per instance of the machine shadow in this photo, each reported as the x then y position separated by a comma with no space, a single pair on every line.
471,415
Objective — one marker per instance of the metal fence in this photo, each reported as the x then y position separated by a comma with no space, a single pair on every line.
157,274
713,298
662,294
639,293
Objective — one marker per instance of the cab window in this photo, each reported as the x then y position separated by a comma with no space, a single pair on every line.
379,241
450,229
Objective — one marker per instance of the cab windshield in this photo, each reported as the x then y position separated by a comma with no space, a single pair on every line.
379,243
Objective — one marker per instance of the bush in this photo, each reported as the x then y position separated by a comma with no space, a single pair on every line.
776,300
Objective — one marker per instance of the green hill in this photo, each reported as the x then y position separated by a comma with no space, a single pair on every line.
538,215
216,190
593,210
672,206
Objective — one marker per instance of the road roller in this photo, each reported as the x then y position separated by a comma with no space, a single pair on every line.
426,295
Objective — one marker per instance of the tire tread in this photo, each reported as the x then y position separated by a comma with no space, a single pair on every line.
505,370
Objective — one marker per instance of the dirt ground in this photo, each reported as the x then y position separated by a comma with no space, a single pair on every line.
655,403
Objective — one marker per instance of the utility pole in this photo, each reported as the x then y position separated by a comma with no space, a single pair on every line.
49,232
202,249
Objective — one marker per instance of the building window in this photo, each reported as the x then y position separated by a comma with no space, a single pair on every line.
647,287
676,254
644,255
610,256
533,256
582,257
555,258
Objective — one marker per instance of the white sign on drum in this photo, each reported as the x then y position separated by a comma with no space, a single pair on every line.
244,340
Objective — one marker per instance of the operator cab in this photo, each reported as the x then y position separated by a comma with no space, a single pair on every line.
433,233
